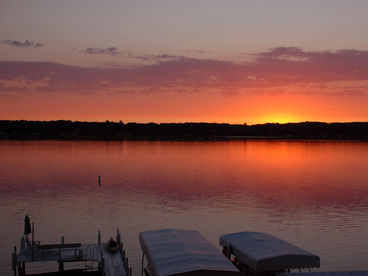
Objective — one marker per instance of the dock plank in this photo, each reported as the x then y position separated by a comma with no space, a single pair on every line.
113,265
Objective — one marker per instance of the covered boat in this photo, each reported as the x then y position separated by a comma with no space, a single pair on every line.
261,253
182,252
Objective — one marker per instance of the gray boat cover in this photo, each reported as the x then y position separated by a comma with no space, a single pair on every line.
332,273
172,252
264,252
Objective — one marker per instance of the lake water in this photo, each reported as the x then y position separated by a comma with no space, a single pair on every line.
311,193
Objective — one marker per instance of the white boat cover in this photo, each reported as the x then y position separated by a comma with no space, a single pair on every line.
174,252
264,252
332,273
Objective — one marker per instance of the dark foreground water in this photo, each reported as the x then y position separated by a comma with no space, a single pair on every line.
311,193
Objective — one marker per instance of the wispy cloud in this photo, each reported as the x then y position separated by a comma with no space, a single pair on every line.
156,58
191,51
115,51
112,51
25,44
343,71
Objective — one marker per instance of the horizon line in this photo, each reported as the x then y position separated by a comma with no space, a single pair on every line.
184,122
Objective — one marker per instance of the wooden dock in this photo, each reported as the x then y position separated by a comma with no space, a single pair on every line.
96,257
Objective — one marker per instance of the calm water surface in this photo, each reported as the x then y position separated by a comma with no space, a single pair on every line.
311,193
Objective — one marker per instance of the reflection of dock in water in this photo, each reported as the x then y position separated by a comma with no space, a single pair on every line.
95,259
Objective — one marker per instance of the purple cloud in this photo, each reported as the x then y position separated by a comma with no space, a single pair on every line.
25,44
284,66
291,64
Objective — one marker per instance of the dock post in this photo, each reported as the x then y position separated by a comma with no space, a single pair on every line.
22,243
32,240
102,262
60,261
99,237
61,265
19,266
22,270
118,239
14,261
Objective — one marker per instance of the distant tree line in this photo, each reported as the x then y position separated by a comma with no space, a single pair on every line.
70,130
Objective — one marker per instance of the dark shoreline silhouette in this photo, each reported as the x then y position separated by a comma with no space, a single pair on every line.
70,130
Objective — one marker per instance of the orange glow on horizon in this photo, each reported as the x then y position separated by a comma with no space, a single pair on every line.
205,106
280,119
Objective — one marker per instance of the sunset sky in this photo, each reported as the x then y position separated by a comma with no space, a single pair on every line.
184,60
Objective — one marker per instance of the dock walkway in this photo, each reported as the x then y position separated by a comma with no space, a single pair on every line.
113,264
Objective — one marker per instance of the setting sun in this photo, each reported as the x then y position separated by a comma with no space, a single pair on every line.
280,118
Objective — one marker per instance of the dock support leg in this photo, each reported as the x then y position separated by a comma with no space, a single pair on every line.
32,240
61,266
14,261
21,269
126,264
18,267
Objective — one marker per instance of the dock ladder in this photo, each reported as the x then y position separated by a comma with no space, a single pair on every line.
91,258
